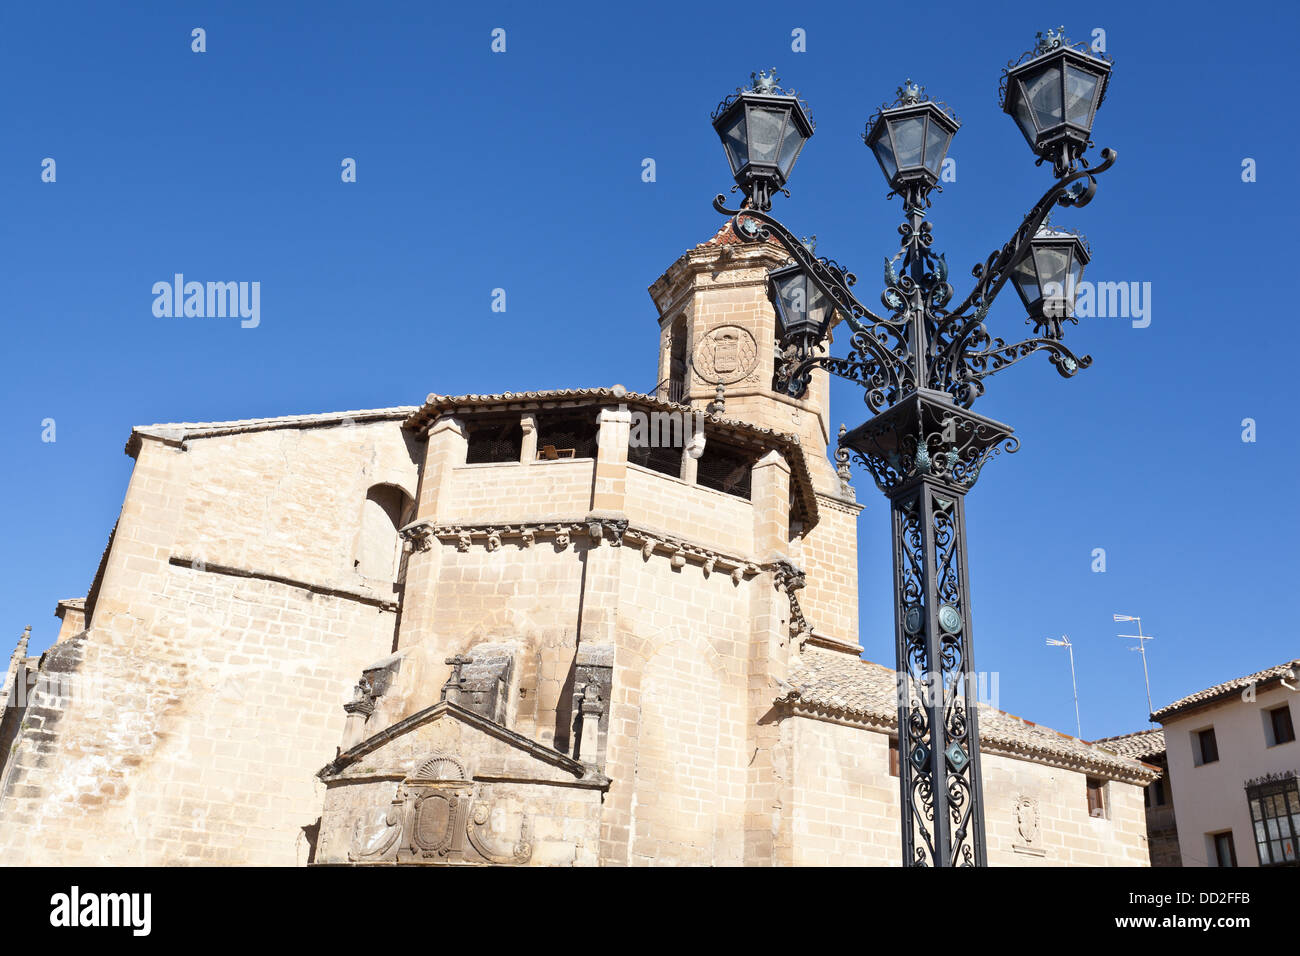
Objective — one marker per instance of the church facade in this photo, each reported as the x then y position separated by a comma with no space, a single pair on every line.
568,627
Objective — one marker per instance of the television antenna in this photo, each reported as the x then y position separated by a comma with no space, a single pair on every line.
1065,642
1141,648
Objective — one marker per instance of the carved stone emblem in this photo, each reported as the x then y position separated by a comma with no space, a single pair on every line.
1027,819
725,355
438,815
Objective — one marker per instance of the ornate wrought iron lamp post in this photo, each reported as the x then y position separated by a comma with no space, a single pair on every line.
922,365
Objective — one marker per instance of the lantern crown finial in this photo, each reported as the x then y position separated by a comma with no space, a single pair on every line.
909,94
765,81
1051,40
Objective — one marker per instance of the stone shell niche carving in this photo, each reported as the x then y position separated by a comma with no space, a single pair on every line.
440,766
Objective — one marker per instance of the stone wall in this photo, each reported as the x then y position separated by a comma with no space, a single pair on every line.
828,554
185,724
845,808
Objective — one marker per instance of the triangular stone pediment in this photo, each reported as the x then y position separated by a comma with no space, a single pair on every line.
455,743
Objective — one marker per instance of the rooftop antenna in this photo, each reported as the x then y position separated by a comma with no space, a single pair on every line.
1141,648
1065,642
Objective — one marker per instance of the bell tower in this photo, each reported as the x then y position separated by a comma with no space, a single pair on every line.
719,328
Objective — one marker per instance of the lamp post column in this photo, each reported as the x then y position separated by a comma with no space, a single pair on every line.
925,453
938,726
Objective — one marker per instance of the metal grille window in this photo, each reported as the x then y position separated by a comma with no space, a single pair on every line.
498,439
566,436
665,460
1275,816
725,468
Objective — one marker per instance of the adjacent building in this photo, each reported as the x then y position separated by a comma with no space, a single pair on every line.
1162,827
1233,762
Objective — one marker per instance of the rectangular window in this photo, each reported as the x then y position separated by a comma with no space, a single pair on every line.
1207,747
1225,853
1155,793
893,756
1096,797
1279,720
1275,817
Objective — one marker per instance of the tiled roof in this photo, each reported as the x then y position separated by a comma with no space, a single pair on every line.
1289,671
789,445
1140,745
178,432
726,236
843,685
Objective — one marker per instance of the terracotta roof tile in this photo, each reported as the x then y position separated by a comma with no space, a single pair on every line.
1289,671
183,431
1140,745
838,682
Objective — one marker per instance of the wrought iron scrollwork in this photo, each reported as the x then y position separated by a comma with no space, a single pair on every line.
938,725
922,343
923,437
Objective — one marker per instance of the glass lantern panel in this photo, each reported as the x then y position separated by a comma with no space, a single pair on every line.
1021,112
1076,274
792,290
765,128
884,151
1053,264
1043,89
733,138
818,304
1025,278
936,146
1080,88
909,137
790,148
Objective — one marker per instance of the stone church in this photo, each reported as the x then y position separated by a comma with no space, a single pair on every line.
575,627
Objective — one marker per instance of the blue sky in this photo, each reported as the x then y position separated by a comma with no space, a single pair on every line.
522,171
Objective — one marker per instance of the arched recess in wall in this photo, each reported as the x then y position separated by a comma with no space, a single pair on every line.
378,550
677,360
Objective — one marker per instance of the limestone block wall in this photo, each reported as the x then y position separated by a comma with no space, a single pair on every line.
721,521
513,491
846,806
829,555
528,597
678,729
185,725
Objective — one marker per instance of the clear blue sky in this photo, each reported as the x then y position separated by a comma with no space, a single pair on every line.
522,171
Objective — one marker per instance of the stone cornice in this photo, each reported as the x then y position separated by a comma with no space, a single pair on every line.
844,505
596,528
